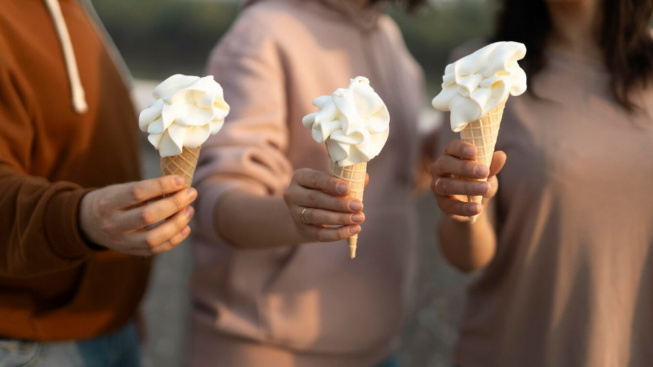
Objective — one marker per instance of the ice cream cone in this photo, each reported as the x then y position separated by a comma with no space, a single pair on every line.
355,176
483,134
182,165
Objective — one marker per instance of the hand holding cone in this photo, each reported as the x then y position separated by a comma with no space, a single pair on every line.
355,176
354,125
475,90
483,134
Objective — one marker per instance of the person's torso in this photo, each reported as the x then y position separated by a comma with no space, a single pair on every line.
572,280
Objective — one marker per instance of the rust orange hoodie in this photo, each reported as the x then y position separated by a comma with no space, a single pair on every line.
66,125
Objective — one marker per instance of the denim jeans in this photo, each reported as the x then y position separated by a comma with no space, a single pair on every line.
393,361
117,349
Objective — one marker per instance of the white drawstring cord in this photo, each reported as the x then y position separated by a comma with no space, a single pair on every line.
77,90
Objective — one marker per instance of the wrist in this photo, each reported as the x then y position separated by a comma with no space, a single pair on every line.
85,223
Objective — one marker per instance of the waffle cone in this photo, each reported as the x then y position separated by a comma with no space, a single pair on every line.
355,176
182,165
483,134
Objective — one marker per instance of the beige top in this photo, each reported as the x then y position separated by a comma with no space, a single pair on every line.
307,305
572,282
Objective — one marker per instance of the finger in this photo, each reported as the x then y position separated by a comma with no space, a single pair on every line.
320,200
172,242
324,234
453,186
367,179
452,206
498,161
494,187
447,165
156,211
319,180
135,193
326,218
164,232
460,149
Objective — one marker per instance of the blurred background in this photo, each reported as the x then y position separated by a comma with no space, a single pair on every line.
158,38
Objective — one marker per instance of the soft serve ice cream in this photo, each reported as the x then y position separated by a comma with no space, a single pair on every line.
186,111
477,83
353,122
475,90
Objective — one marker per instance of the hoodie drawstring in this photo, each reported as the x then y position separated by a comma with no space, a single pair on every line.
77,90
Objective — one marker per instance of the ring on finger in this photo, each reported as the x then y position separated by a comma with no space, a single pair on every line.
303,217
437,189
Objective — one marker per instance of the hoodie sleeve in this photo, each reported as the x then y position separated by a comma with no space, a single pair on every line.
250,151
39,230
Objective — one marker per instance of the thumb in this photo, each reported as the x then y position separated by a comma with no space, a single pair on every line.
498,160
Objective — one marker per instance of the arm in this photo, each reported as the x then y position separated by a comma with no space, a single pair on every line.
467,246
312,202
40,227
250,195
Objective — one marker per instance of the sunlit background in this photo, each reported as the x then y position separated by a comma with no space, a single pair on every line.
158,38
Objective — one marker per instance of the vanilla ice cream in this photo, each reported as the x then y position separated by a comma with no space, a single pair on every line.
186,111
477,83
353,122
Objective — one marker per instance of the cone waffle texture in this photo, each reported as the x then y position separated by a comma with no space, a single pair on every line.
355,176
483,134
182,165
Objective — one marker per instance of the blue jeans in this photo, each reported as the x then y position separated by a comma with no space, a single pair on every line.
117,349
393,361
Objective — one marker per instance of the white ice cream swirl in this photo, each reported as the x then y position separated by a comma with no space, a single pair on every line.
354,123
186,111
475,84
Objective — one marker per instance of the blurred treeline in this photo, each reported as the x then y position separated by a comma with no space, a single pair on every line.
161,37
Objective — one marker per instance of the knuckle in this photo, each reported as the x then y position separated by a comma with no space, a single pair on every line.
137,193
323,235
107,227
151,241
104,205
312,198
147,217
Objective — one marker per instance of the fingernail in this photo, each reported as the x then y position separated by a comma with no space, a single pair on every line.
481,171
354,229
356,206
191,193
473,208
482,188
179,181
342,188
468,152
358,218
190,211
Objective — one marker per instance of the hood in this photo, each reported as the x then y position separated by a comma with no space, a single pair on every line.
365,18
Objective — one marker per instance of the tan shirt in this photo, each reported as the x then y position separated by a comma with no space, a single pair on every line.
307,305
572,281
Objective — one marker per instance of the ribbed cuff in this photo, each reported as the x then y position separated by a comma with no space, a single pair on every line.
62,225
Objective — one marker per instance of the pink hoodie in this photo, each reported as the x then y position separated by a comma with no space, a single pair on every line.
307,305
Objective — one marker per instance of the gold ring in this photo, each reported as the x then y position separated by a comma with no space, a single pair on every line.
303,218
435,185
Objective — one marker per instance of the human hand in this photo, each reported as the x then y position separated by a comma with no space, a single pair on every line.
123,217
455,175
319,207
